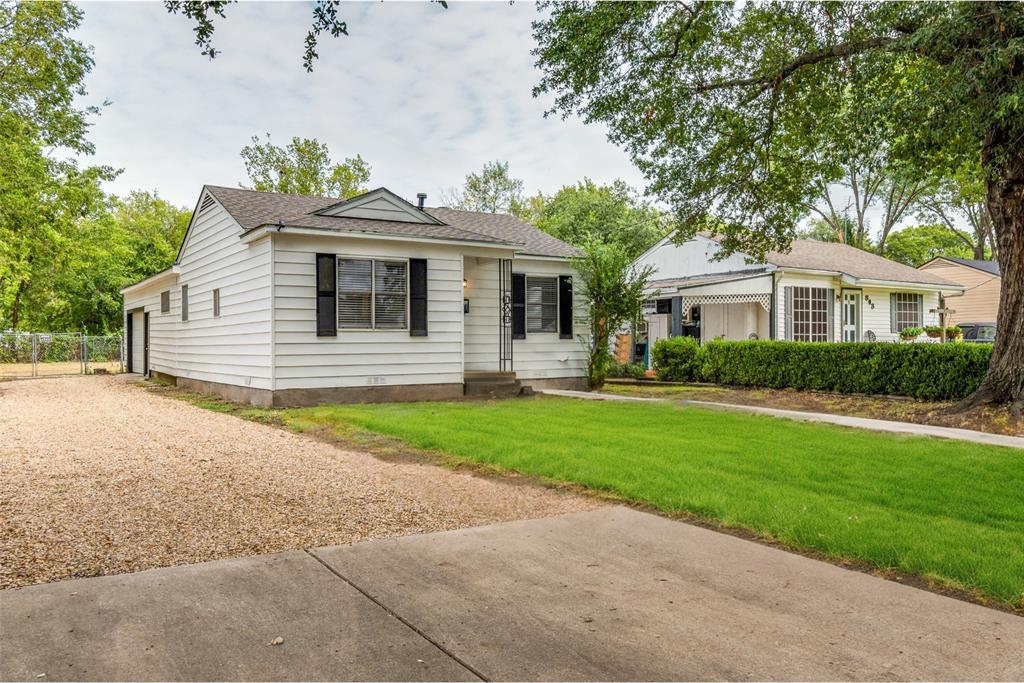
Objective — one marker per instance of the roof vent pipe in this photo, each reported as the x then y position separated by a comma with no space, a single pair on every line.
421,197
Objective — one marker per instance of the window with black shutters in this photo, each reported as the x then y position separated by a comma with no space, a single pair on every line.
326,298
418,297
372,294
165,301
541,304
564,307
518,306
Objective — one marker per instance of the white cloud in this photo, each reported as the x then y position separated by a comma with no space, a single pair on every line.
424,94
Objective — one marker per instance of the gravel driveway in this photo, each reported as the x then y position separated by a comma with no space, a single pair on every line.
99,476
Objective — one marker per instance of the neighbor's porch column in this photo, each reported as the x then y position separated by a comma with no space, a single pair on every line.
677,317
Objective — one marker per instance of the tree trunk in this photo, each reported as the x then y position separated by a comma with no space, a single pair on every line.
1004,381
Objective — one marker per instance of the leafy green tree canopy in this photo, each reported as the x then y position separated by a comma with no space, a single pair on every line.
586,213
731,110
42,72
303,167
492,190
918,244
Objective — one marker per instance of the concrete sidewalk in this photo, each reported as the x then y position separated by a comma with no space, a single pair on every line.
910,428
611,594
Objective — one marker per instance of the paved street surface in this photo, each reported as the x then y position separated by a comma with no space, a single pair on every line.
610,594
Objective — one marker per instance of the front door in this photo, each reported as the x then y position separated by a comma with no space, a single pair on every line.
851,315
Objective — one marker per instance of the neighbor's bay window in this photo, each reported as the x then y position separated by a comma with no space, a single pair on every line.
541,304
810,314
372,294
907,311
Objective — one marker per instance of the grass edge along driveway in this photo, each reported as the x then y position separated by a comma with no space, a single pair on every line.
949,511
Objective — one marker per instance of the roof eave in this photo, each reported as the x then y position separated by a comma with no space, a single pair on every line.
900,284
261,230
166,274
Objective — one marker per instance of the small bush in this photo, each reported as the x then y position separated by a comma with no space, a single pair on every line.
676,359
925,371
634,370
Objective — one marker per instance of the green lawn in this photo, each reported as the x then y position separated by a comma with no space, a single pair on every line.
950,511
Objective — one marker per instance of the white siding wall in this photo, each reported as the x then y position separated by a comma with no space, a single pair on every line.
874,305
233,348
482,321
691,259
363,357
733,321
544,355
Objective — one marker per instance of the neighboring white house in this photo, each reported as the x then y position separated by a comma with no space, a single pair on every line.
289,300
819,291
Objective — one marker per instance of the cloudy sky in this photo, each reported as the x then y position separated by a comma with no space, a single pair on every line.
424,94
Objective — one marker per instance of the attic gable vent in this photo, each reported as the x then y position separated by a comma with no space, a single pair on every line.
208,201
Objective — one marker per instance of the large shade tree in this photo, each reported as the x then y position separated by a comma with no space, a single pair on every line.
730,111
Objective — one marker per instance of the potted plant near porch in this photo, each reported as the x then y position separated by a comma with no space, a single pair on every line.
933,331
911,333
954,333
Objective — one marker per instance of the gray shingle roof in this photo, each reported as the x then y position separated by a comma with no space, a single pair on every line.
253,209
842,258
990,267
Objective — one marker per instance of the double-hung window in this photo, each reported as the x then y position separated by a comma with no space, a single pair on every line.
541,304
372,294
810,314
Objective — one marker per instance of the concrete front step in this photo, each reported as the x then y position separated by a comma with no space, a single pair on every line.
493,389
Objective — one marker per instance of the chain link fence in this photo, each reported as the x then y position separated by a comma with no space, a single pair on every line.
44,354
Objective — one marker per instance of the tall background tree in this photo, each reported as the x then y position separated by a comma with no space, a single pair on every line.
730,110
66,247
492,190
587,213
304,166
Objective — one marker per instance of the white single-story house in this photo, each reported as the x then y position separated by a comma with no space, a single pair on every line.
818,291
281,299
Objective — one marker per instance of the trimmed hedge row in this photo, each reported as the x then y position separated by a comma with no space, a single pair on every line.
925,371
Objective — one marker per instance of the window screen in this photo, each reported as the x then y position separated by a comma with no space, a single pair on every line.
355,294
216,303
908,311
541,304
372,294
165,301
810,314
389,295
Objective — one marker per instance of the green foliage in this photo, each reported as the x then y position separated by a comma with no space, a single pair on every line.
911,332
954,331
42,73
935,507
921,243
492,190
677,359
614,291
733,109
586,213
303,167
925,371
629,370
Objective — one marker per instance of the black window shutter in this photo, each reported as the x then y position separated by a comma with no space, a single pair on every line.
518,306
565,307
326,299
417,297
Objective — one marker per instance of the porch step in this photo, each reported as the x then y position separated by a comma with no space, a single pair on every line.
493,385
